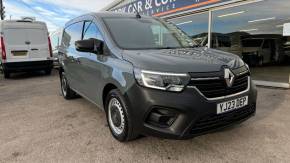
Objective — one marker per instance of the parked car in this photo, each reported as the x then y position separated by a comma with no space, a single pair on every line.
148,85
219,41
25,46
229,42
55,43
258,50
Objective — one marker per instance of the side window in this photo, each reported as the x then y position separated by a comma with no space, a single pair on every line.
91,31
72,34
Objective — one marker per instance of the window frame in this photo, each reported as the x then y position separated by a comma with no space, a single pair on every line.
65,29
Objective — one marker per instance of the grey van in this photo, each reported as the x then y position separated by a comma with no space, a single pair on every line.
150,78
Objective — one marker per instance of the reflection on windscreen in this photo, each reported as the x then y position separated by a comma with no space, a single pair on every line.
224,41
252,43
146,33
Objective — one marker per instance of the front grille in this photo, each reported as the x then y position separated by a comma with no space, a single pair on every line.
213,88
217,121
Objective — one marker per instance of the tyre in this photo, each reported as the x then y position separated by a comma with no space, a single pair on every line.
6,74
118,117
48,71
66,91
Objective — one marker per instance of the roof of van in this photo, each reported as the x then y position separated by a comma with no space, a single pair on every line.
106,14
22,24
21,21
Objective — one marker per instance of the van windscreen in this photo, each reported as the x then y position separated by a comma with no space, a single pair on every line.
146,33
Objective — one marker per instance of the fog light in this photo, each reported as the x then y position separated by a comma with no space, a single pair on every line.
161,117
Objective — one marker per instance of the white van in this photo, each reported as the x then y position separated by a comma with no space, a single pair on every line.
25,46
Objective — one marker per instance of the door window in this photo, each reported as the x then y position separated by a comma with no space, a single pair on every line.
72,34
15,36
37,36
91,31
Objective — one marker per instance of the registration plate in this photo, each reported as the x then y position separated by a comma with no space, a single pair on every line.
232,105
20,53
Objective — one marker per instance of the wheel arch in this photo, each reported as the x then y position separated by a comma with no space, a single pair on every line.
109,87
60,70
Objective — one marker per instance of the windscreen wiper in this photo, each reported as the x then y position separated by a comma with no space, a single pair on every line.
168,47
196,46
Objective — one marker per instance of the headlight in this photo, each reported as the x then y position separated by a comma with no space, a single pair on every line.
163,81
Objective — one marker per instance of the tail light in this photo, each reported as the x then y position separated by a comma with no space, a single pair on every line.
3,50
49,46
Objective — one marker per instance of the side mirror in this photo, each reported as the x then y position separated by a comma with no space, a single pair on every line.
91,45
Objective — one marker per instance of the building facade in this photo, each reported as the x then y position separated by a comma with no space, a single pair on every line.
256,30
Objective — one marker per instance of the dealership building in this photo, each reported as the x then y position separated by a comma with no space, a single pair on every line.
256,30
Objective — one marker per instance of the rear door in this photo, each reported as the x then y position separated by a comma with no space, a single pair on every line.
37,40
24,44
71,62
17,48
91,65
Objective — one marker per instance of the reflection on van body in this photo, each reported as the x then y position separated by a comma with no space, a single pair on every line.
219,41
262,49
256,50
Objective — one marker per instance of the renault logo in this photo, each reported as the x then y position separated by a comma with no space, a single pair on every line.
229,77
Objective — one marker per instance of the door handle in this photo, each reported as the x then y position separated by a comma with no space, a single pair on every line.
34,49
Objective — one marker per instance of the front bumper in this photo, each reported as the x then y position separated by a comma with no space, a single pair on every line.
196,115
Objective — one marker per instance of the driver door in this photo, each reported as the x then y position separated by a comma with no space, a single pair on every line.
91,64
71,57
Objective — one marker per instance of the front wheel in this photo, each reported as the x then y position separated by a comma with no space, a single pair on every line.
118,117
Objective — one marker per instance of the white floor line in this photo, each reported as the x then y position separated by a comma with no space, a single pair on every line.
271,84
